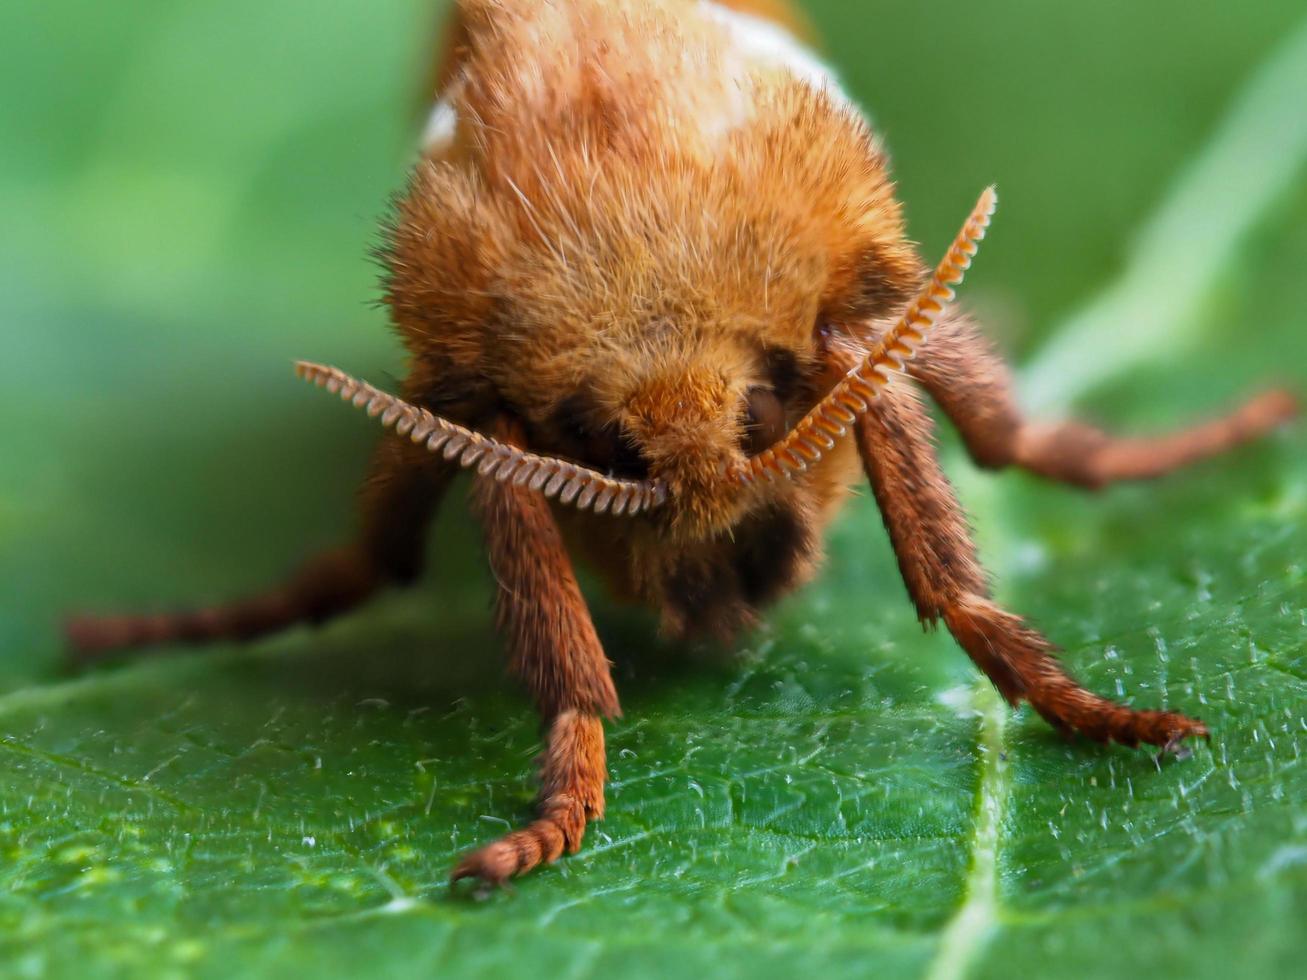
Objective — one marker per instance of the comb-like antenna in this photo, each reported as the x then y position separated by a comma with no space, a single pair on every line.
571,484
831,418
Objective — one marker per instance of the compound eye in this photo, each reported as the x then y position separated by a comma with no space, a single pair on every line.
612,451
604,447
764,421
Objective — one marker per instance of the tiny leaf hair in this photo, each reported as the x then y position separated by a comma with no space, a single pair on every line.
570,484
830,419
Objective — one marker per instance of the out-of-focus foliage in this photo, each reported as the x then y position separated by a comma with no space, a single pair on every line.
189,190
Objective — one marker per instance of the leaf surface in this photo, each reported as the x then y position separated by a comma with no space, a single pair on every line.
188,205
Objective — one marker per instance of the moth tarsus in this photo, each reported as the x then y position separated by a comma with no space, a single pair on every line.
649,264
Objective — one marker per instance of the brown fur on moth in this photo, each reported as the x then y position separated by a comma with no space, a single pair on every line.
657,294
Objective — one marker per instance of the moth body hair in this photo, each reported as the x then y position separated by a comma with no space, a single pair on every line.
657,294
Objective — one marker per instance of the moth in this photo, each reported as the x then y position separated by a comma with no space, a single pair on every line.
657,295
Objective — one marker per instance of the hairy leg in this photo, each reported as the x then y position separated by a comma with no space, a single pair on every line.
939,565
397,501
972,385
554,649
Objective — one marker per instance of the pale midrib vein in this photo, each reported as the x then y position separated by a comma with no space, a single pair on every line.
1252,159
969,930
1256,153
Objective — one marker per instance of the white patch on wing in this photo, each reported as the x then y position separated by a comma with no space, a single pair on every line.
756,41
771,44
442,124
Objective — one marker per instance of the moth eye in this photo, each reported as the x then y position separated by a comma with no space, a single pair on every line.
604,447
764,421
601,445
609,449
783,370
629,461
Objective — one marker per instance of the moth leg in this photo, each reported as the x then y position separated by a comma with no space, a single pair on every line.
974,388
555,651
397,501
945,580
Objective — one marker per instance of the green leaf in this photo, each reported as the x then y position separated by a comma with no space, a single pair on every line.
188,200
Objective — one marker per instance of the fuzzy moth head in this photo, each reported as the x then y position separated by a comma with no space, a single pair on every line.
831,419
697,468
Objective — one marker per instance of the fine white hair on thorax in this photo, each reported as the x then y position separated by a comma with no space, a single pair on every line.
442,124
770,44
754,40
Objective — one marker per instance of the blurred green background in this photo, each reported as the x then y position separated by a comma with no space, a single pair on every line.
188,194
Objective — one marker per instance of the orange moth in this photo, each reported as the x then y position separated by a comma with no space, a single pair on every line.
657,295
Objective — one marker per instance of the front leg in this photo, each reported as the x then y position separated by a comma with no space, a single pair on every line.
554,649
939,565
